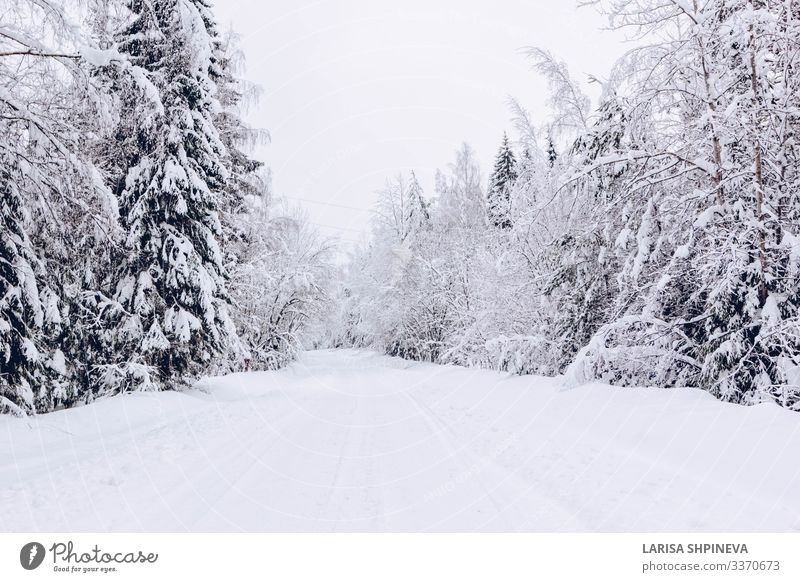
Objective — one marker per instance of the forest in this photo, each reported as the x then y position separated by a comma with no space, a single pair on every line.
648,240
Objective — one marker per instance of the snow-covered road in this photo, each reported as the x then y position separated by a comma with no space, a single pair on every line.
354,441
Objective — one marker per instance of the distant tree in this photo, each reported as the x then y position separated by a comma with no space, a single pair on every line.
552,154
500,184
416,208
279,284
461,200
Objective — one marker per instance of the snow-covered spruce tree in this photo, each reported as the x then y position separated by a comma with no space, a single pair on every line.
552,153
28,307
501,181
590,275
243,211
417,213
170,308
235,96
55,202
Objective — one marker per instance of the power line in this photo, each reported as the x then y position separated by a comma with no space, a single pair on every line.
339,227
343,228
329,204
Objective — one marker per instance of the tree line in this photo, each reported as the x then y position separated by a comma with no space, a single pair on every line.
652,240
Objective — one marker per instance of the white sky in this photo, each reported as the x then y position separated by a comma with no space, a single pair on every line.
357,90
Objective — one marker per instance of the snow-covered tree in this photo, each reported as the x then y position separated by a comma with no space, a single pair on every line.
56,205
659,246
28,307
170,307
418,215
126,200
408,291
714,301
280,285
501,181
461,200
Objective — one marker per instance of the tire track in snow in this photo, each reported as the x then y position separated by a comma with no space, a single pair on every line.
324,504
506,477
440,429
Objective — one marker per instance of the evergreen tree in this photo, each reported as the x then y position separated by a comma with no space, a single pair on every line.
53,200
172,315
416,210
123,184
26,305
552,154
500,184
244,177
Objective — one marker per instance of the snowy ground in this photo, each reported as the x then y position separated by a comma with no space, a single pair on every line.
354,441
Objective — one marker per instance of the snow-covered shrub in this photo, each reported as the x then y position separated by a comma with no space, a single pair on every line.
279,284
521,355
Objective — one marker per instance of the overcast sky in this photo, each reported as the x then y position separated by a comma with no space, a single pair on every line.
357,90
